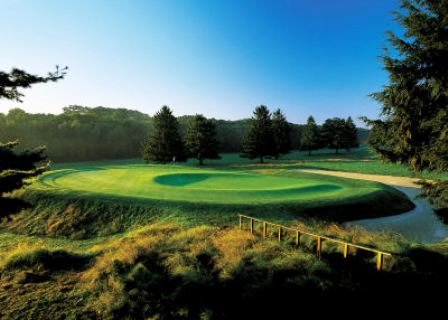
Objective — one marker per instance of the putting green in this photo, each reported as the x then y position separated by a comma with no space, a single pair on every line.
193,185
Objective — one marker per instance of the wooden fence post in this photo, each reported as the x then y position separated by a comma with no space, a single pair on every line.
345,250
319,246
241,222
264,230
297,238
251,225
379,261
279,233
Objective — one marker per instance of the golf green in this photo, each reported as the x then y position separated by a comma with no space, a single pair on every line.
197,185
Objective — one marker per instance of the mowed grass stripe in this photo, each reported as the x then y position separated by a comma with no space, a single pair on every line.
181,183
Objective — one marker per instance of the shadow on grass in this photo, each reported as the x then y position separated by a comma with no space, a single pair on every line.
11,206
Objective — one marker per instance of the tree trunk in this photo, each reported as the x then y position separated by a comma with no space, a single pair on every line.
337,150
261,159
309,153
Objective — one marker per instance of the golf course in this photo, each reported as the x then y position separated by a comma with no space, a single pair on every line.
227,189
214,160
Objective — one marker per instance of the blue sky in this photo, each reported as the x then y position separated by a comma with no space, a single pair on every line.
220,58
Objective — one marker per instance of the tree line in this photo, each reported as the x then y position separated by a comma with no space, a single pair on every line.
82,133
335,133
268,135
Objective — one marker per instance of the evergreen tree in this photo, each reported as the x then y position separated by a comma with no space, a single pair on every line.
259,140
281,132
201,139
351,135
11,82
310,139
333,134
413,128
164,143
16,168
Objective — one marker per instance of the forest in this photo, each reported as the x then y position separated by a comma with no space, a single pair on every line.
83,133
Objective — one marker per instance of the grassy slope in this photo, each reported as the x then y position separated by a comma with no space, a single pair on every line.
204,272
80,214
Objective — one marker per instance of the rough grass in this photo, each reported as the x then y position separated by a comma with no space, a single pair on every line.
164,271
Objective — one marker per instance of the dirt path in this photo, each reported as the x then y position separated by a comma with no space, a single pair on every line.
390,180
420,224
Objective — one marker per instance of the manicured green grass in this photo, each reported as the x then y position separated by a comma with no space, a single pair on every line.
101,199
196,185
360,160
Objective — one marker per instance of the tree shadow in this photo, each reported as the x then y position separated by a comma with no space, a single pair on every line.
11,206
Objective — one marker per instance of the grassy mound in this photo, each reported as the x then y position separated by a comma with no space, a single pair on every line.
95,200
167,272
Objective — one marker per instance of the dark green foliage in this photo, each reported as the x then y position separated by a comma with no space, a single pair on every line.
11,82
414,124
259,141
281,132
79,133
164,143
201,142
339,134
310,139
351,135
15,168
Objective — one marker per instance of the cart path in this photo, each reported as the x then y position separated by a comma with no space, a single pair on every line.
389,180
420,224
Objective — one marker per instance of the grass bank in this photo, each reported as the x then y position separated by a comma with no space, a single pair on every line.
103,200
167,272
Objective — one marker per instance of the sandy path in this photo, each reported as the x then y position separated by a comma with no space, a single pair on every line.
420,224
390,180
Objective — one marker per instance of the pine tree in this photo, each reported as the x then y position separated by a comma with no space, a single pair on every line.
17,168
333,134
413,128
281,132
164,143
310,139
259,140
201,142
351,135
11,82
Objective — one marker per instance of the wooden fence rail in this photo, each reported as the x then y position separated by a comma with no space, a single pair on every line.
319,238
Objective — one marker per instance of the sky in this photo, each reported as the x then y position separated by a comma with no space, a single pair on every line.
220,58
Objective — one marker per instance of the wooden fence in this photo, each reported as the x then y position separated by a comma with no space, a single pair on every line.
319,238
